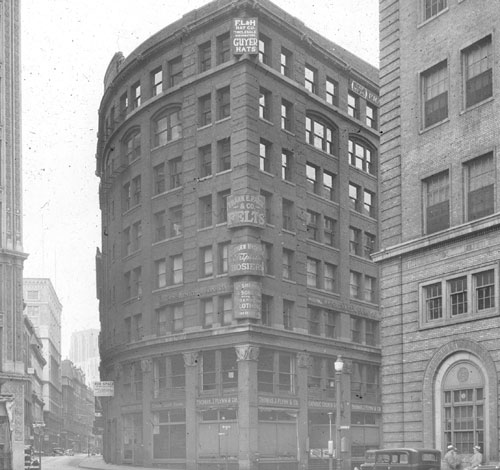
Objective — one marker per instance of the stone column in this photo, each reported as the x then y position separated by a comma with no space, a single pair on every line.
247,405
303,363
147,419
191,365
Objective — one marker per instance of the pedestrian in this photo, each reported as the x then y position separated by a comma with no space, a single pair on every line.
477,458
451,459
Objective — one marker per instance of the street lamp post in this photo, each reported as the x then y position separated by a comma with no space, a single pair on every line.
339,365
330,443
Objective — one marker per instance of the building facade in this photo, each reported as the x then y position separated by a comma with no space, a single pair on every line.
237,157
439,215
44,310
12,370
84,353
78,409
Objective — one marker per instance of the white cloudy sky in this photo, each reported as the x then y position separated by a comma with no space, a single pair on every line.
66,47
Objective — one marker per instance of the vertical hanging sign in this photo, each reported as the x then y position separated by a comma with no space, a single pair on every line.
245,36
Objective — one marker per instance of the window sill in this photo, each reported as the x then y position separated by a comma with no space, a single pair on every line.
290,183
433,126
477,105
132,209
289,132
228,118
205,126
165,144
267,121
266,173
168,191
224,172
289,281
167,288
458,319
432,18
204,229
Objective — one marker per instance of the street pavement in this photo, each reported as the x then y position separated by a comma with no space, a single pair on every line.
96,462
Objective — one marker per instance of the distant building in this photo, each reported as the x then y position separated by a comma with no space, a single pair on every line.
238,190
84,353
78,409
12,256
44,310
440,224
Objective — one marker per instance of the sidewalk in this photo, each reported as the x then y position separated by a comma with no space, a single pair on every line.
96,462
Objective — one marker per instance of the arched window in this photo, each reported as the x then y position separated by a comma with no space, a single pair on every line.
167,127
321,134
362,156
132,146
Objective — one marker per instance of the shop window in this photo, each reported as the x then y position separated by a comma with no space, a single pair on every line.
169,434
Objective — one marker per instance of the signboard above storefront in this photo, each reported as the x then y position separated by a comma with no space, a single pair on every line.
245,36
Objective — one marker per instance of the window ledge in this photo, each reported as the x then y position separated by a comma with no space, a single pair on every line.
224,172
458,319
167,288
165,144
205,126
433,126
223,120
291,183
477,105
267,121
290,133
289,281
432,18
266,173
168,191
204,229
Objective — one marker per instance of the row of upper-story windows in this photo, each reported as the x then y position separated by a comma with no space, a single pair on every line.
171,74
476,82
478,188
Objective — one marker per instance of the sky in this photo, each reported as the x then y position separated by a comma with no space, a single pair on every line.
66,46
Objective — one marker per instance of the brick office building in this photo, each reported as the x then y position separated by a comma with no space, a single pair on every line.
440,244
238,195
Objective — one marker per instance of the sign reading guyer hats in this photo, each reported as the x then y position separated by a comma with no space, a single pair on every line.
245,36
246,209
246,258
104,389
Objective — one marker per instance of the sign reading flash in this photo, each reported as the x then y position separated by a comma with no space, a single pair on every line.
245,36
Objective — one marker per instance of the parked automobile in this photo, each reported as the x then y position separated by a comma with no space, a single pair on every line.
69,452
406,459
369,460
57,451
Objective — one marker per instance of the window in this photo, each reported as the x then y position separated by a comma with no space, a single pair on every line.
205,56
360,156
287,270
312,177
331,321
224,154
369,203
286,115
288,215
132,147
156,81
356,329
126,199
321,135
329,277
161,273
207,310
433,299
265,156
328,188
332,87
226,308
311,79
223,48
484,284
123,105
223,103
371,115
286,62
354,196
220,372
167,127
175,221
177,269
160,227
458,295
355,285
287,314
286,165
175,71
268,197
267,250
206,261
371,332
314,320
432,8
369,245
265,104
161,321
138,329
169,438
205,211
312,224
437,202
328,231
480,177
353,105
136,95
136,190
275,372
205,110
264,49
159,179
136,236
175,172
223,257
312,272
222,206
369,290
478,72
205,156
435,94
354,241
266,310
127,246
